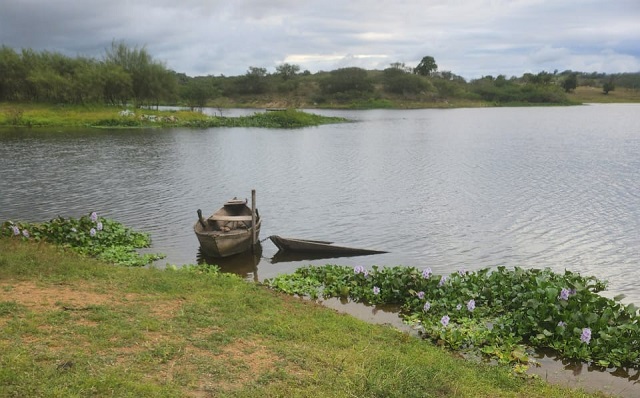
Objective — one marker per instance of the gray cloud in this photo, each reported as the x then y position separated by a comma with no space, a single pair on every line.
471,38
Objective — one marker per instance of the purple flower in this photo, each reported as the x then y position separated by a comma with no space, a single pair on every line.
585,337
94,216
376,290
445,320
462,272
564,294
426,273
25,233
359,269
427,306
471,305
572,292
99,226
442,281
16,230
420,295
562,324
459,307
92,232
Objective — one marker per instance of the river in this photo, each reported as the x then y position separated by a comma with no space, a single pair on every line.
448,189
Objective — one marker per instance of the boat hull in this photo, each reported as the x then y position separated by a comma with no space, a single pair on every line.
224,244
228,231
317,247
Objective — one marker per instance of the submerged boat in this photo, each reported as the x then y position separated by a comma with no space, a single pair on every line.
306,246
228,231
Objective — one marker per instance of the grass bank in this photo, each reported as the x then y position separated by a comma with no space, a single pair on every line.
42,115
73,326
584,94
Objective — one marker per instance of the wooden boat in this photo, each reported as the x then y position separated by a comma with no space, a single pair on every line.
229,230
318,247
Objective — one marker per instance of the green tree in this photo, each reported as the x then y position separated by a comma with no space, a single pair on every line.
397,81
88,82
426,67
570,82
608,86
253,82
401,66
347,80
12,74
287,71
118,85
198,91
150,80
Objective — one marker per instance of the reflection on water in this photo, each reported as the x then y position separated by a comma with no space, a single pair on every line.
244,264
287,257
621,382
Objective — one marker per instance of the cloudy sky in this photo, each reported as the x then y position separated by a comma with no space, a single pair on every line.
471,38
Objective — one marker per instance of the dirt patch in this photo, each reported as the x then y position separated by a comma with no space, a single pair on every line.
70,297
79,296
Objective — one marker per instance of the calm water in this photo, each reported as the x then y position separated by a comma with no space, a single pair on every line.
446,189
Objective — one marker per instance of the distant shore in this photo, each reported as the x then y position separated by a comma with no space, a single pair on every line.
50,115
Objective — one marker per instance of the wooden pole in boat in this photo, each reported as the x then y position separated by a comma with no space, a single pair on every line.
253,219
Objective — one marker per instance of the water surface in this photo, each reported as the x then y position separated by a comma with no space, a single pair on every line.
447,189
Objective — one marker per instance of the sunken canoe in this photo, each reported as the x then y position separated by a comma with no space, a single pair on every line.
229,230
318,246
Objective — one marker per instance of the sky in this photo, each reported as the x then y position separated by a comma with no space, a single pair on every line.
470,38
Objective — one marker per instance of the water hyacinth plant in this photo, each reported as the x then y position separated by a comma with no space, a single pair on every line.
508,311
90,235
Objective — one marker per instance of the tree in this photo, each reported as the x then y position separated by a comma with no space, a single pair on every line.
608,86
253,82
287,71
426,67
570,82
397,81
118,86
400,66
12,74
347,80
150,80
198,91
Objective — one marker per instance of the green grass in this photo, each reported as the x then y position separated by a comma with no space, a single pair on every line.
73,326
585,94
41,115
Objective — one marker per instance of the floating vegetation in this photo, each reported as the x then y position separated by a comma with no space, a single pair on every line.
90,235
499,314
286,118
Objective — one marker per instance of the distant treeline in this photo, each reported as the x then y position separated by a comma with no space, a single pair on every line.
128,75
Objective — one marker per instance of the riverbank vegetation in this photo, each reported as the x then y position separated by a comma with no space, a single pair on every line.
75,326
89,235
42,115
499,314
130,76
